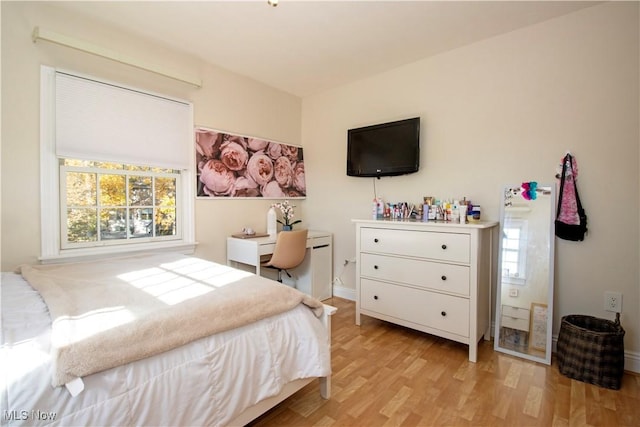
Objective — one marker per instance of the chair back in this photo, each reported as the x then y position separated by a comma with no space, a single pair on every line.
290,249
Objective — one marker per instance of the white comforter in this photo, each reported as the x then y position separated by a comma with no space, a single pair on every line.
113,311
207,382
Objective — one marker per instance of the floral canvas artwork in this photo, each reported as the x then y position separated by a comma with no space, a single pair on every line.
240,166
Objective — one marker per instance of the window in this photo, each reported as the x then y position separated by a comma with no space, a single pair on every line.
111,203
514,252
116,169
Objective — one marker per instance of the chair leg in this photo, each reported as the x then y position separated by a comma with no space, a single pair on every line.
280,275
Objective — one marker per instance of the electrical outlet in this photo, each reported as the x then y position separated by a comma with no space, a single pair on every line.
613,301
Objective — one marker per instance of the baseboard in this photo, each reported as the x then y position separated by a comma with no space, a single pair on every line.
344,292
632,362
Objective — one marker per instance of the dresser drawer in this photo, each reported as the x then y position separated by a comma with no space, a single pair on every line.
515,323
516,312
426,274
443,312
515,318
423,244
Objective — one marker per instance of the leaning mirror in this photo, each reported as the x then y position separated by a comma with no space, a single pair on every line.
524,299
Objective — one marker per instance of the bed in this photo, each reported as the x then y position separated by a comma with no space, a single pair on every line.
161,339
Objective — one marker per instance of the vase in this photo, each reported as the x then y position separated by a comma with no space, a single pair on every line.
271,222
287,227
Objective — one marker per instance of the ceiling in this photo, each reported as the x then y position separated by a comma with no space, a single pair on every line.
304,47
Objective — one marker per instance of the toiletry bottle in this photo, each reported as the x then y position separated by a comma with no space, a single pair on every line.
462,209
432,212
455,212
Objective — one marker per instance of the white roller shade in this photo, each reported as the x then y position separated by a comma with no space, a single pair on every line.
104,122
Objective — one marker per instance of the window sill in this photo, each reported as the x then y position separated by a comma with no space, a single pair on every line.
86,254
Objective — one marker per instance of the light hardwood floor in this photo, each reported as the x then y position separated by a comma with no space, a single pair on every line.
387,375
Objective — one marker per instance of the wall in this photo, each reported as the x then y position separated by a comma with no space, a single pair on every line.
500,112
226,101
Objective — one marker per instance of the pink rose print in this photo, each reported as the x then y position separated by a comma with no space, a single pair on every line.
255,144
235,138
272,189
234,156
283,172
246,187
298,180
217,179
290,192
290,152
260,168
274,150
238,166
208,143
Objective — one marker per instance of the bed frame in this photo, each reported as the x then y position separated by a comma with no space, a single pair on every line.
253,412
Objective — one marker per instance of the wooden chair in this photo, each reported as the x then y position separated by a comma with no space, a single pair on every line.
289,252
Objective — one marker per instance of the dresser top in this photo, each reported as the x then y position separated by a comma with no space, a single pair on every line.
420,223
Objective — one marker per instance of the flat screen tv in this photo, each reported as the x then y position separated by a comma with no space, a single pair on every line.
385,149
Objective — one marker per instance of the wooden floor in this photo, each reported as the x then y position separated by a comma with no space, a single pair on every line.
387,375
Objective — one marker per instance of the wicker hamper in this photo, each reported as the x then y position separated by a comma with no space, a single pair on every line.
591,350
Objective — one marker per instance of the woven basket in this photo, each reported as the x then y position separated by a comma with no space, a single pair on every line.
591,350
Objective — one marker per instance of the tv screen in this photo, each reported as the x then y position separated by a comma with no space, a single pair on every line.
385,149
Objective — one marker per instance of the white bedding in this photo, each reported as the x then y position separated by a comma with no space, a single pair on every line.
207,382
113,311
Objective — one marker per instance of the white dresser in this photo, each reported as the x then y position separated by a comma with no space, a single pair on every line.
431,276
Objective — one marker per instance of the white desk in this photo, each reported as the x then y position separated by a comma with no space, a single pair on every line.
312,277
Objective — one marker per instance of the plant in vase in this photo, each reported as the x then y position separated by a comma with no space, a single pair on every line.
287,215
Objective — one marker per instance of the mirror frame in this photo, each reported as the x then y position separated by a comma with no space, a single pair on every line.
550,286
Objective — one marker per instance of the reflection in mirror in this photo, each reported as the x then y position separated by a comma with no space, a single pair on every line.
524,300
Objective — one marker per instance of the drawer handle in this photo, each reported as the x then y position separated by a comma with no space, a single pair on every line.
444,246
443,313
444,277
376,240
375,297
375,267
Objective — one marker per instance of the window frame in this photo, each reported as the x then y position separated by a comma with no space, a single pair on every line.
126,173
51,248
522,226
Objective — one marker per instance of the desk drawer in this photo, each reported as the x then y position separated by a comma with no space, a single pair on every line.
431,309
319,241
425,274
424,244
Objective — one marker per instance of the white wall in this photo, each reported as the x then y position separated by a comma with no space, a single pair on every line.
226,101
504,111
